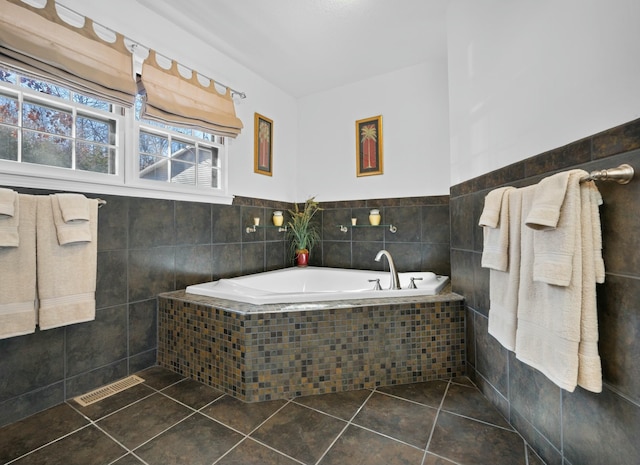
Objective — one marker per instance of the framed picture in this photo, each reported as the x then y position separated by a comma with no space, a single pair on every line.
369,146
263,145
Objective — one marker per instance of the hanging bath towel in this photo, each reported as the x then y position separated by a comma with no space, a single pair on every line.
66,273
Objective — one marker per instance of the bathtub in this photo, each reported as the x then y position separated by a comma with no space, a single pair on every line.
316,284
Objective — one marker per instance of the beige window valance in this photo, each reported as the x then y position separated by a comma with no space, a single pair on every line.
39,42
173,99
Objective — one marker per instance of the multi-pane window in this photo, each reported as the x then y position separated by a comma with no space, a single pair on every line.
45,124
42,124
178,155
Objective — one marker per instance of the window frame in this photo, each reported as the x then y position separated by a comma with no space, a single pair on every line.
126,181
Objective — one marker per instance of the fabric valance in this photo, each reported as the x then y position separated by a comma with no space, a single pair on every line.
37,41
172,99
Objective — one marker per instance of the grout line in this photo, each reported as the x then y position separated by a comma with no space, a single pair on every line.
48,443
435,420
349,423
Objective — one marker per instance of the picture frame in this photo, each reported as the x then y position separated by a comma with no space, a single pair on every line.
263,145
369,148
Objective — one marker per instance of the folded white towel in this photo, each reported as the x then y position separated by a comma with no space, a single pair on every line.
554,246
18,275
73,230
9,218
490,215
8,199
596,201
495,251
504,286
547,201
74,207
66,273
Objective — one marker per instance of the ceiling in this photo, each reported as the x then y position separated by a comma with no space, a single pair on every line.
307,46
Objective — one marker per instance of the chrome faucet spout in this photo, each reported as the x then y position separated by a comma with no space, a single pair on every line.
394,282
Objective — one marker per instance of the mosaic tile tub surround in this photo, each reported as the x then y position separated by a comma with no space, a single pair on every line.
282,353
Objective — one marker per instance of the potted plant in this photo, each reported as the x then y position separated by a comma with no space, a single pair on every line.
304,233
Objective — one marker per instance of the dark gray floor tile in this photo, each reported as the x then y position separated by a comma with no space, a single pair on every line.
88,446
299,432
159,377
359,446
340,404
430,459
429,393
114,402
197,440
129,459
240,415
26,435
250,452
192,393
470,402
397,418
141,421
470,442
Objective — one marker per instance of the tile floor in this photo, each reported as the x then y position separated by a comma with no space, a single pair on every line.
172,420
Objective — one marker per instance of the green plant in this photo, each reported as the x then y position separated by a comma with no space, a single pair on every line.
303,232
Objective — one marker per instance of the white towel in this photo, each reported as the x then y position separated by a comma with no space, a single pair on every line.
589,363
74,207
495,251
18,276
9,218
557,325
66,273
504,286
8,199
71,231
547,201
554,242
490,215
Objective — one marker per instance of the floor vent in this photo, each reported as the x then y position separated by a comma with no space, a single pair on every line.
108,390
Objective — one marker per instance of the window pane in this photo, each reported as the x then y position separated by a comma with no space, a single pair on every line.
183,173
8,143
95,130
183,151
204,167
154,168
95,158
91,102
153,144
7,76
8,110
45,87
45,149
215,178
46,119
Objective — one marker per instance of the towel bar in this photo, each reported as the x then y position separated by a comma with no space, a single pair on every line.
622,174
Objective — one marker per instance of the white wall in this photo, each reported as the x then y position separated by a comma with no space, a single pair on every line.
529,76
414,108
142,25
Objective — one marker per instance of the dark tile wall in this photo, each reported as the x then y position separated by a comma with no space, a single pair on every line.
579,428
279,355
149,246
421,242
145,247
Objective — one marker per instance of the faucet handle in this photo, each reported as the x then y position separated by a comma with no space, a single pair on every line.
412,284
377,286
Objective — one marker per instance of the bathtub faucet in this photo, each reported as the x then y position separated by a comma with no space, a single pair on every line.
395,281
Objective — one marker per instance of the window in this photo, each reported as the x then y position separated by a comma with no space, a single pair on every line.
51,132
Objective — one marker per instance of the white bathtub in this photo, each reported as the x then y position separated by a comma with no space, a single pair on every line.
314,284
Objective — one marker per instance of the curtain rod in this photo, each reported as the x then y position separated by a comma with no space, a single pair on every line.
622,174
135,44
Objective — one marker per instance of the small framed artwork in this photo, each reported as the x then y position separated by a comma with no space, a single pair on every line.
263,145
369,146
